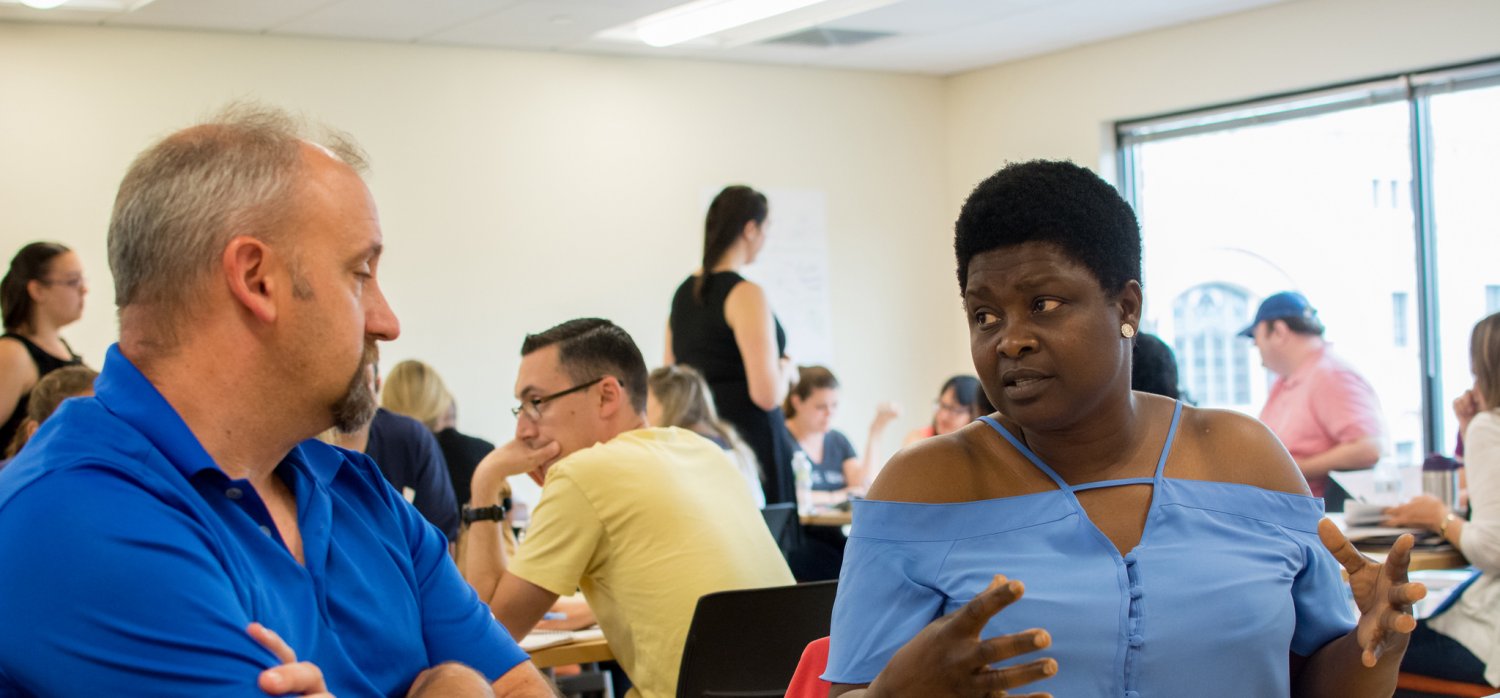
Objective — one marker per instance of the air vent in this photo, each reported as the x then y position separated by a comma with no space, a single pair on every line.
821,37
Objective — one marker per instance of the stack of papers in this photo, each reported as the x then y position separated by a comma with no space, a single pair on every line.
539,638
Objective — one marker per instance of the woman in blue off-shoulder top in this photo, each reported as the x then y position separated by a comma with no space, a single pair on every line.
1086,540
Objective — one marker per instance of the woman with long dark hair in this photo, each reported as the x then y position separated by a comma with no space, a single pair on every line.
722,325
41,293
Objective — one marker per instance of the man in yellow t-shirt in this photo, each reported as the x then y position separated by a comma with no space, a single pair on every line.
644,520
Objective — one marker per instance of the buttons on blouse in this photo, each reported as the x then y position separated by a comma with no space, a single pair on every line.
266,530
234,493
1136,593
1136,641
1132,694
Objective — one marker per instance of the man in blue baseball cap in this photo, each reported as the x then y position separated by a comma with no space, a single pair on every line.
1323,411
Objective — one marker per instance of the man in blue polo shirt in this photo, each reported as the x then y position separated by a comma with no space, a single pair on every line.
145,529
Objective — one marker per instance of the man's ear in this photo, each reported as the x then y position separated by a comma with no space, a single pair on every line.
612,397
1277,328
246,265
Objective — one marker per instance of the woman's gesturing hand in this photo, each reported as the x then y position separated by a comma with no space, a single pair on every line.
947,658
1381,591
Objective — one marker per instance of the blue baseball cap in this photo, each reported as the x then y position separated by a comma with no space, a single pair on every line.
1281,305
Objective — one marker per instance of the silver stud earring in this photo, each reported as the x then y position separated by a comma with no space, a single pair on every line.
1127,330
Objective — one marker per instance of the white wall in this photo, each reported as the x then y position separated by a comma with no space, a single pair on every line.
517,190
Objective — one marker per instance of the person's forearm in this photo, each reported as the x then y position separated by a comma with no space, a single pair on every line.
1336,671
850,691
450,680
484,553
871,460
1352,455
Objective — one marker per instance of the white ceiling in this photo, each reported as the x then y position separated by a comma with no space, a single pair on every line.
929,36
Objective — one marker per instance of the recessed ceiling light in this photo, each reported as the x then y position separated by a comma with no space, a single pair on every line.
729,23
82,5
704,17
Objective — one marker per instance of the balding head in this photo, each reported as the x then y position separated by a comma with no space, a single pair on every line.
186,197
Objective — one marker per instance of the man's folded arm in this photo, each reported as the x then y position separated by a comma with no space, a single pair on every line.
109,591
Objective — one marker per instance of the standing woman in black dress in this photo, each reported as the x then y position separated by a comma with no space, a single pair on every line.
42,292
722,325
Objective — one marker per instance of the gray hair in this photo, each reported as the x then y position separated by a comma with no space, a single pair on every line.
184,198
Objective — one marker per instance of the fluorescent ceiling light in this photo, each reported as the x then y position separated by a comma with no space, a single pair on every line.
84,5
705,17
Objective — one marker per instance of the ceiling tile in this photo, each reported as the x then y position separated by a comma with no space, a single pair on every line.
549,24
934,16
219,15
395,20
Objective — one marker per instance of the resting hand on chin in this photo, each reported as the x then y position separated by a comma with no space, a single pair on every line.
514,458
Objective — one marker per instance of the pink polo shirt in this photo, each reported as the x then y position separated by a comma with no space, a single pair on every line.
1319,406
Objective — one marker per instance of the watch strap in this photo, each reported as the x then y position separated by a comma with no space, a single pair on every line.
496,512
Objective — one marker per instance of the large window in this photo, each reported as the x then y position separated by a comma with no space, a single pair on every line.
1379,201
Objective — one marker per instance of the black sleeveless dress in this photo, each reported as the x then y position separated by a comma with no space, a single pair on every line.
45,364
701,338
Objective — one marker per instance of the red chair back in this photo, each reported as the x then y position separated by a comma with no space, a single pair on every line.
1436,686
805,682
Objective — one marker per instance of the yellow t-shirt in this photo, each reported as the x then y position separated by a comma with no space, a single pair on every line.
645,524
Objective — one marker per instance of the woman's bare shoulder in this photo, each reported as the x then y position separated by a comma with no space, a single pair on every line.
744,300
1227,446
14,357
970,464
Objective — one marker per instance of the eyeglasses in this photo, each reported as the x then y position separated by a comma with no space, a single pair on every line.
70,282
533,407
954,409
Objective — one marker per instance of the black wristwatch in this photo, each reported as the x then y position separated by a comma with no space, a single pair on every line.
490,513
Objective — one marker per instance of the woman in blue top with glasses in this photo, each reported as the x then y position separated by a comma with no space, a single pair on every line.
41,293
1147,548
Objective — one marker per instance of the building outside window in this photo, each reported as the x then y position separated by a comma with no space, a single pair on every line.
1351,195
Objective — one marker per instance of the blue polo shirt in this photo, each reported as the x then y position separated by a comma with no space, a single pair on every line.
130,564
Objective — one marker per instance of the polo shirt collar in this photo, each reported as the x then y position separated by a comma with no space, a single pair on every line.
126,393
1308,368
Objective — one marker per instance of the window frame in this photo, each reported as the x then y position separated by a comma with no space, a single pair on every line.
1416,88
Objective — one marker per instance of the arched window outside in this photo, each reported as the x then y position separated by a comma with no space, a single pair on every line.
1214,362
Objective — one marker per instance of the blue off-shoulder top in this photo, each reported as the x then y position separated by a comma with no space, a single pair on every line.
1227,580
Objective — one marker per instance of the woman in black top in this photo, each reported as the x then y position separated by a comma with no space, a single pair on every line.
722,325
42,293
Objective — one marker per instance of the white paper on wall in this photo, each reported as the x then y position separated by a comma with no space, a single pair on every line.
793,270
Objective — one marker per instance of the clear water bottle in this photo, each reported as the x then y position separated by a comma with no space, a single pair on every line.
802,478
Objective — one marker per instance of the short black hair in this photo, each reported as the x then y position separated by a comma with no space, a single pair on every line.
1153,367
1054,202
589,348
